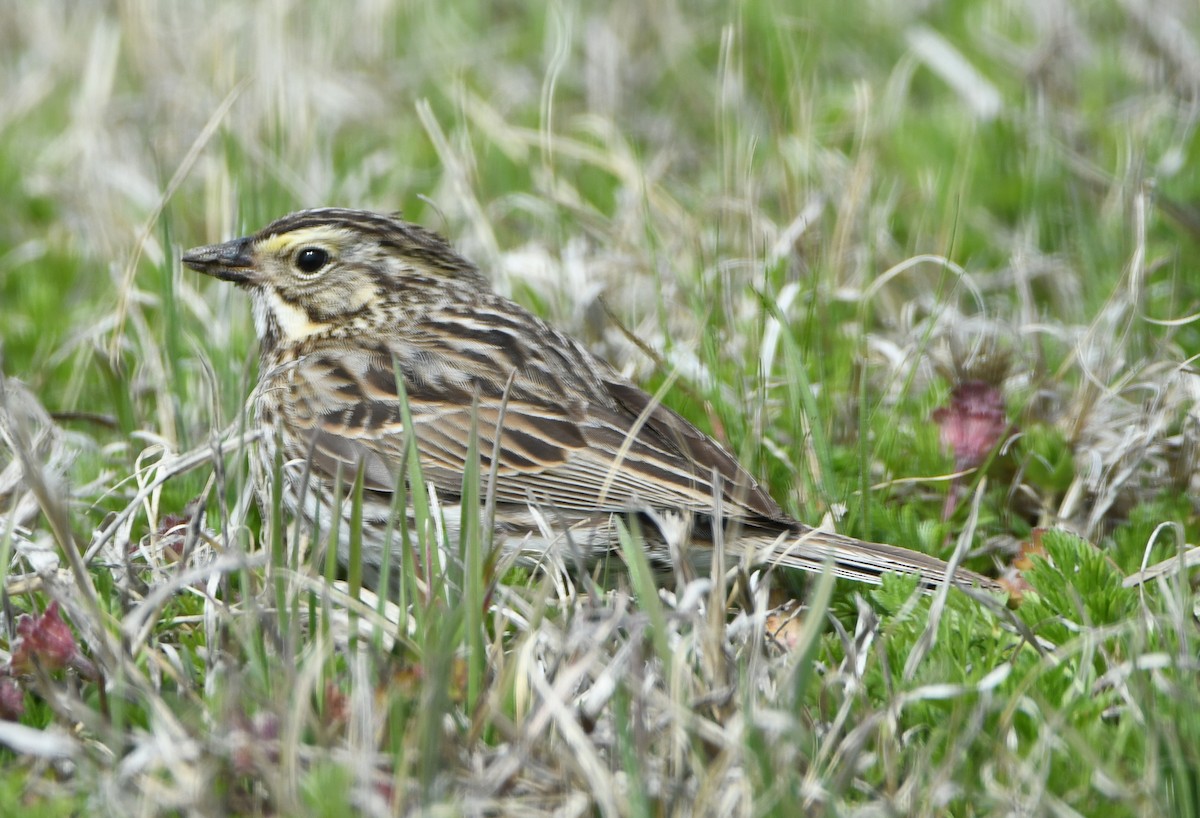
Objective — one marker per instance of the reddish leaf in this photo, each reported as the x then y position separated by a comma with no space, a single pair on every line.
44,641
12,699
973,423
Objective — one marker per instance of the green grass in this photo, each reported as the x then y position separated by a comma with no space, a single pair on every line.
747,188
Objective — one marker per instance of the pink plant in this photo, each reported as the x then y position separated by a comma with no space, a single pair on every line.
45,641
12,699
973,423
971,427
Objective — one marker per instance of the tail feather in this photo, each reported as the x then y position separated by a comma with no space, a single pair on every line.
812,549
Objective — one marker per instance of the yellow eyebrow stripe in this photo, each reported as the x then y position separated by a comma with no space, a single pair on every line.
275,245
281,244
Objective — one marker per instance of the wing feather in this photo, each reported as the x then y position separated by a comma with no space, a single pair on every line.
568,444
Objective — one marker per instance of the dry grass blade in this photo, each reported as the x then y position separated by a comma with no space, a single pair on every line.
169,466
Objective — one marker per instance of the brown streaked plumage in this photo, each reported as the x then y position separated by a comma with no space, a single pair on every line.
345,301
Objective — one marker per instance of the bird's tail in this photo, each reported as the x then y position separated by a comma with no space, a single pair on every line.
812,549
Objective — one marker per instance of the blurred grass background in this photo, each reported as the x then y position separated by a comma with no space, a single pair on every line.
821,217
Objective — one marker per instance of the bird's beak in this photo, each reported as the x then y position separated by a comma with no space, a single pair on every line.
231,261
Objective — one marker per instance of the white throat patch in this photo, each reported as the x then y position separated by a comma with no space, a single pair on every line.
292,322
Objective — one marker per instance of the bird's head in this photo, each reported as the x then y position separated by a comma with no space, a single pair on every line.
314,271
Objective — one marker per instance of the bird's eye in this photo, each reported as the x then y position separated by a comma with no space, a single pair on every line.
311,259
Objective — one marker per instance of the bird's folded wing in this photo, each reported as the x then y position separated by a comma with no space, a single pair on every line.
624,454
